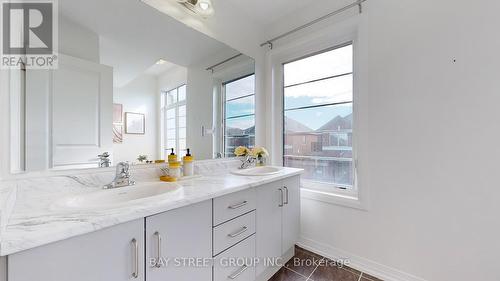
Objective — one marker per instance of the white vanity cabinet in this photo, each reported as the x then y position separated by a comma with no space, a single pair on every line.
115,253
183,239
278,223
179,244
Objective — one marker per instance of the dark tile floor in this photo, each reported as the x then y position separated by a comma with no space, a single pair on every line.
308,266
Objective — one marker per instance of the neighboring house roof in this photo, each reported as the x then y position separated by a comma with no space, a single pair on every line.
338,123
238,132
292,125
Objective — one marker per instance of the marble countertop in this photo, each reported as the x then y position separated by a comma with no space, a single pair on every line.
33,221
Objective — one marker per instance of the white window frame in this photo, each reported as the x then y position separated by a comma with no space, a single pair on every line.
316,43
164,119
224,118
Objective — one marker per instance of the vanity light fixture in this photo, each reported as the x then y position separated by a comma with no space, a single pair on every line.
203,8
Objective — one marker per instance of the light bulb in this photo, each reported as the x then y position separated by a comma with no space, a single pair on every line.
204,5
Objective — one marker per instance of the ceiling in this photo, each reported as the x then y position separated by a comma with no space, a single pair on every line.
265,12
133,37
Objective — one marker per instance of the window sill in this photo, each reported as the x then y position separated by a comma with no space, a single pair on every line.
316,191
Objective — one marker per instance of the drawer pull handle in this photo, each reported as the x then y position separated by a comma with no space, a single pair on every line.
238,273
237,206
236,234
158,249
135,245
286,195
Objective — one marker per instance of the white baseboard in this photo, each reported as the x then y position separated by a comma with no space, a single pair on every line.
381,271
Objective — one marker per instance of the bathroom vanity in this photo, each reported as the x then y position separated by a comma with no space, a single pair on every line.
188,235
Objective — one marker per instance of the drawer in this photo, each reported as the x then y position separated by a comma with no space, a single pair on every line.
242,269
233,205
233,231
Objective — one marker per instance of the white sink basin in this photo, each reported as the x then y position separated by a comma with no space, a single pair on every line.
108,198
258,171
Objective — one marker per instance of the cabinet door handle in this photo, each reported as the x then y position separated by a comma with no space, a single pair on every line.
238,273
281,197
236,234
286,195
158,249
233,207
135,273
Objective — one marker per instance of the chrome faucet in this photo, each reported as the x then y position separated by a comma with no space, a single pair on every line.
122,177
249,160
104,160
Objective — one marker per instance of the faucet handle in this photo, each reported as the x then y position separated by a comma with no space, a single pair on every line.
122,168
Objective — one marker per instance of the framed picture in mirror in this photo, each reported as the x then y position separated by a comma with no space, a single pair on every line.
135,123
117,113
117,133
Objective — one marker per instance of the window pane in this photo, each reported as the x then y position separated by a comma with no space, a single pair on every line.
319,140
171,134
182,121
240,88
334,90
182,110
182,93
233,142
339,172
171,114
335,62
182,144
239,132
240,126
239,107
171,123
171,144
172,97
182,133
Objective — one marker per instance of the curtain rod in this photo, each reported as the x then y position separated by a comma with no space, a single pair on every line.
358,3
211,68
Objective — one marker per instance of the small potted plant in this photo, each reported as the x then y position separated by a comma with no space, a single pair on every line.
260,154
142,158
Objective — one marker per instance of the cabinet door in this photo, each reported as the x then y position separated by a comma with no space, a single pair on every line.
105,255
291,213
178,234
269,199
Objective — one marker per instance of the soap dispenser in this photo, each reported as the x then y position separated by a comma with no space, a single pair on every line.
188,166
172,157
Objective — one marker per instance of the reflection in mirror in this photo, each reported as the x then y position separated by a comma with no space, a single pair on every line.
129,88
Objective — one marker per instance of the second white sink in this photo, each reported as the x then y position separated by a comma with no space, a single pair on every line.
117,197
258,171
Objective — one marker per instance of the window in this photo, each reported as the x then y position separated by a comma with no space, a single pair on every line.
239,114
318,119
174,108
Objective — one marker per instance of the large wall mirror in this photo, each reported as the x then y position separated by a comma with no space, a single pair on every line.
132,83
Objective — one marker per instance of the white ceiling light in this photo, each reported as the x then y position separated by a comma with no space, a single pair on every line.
203,8
161,61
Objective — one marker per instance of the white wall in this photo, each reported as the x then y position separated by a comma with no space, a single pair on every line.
172,79
139,96
199,99
78,41
428,145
